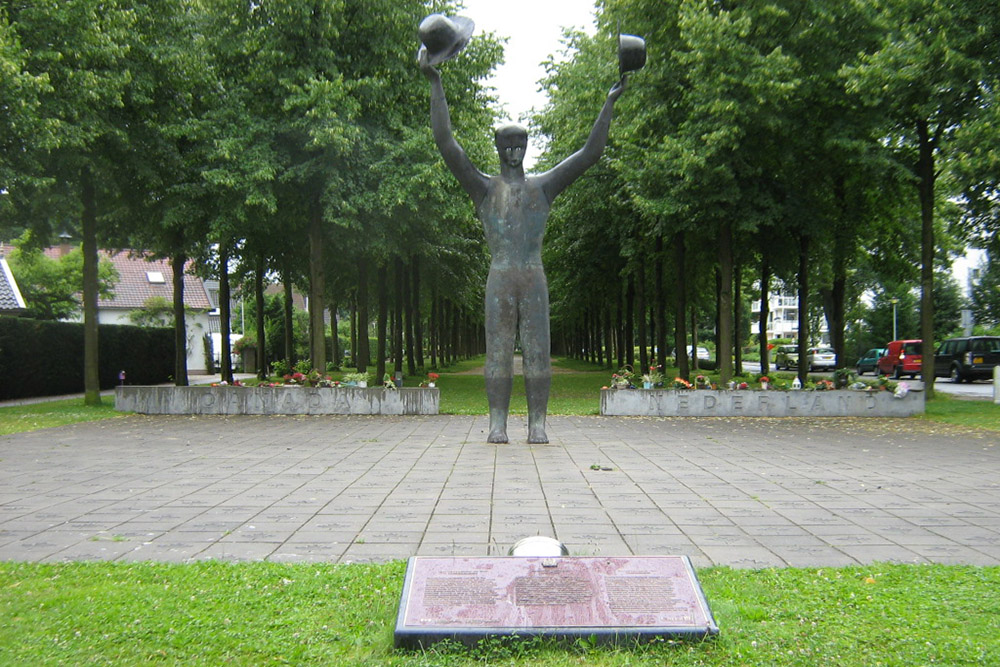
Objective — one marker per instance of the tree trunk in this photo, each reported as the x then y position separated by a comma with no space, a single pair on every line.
338,355
91,367
609,337
225,316
418,329
363,352
432,325
803,339
659,305
737,318
620,330
925,184
177,263
835,295
680,306
629,337
382,290
258,284
317,290
641,308
405,325
765,310
289,317
724,339
353,324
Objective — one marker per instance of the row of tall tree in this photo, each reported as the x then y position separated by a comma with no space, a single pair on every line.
820,142
833,145
284,137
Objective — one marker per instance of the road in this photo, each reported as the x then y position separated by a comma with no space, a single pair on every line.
979,390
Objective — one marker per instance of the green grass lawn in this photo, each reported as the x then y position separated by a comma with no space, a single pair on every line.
19,418
213,613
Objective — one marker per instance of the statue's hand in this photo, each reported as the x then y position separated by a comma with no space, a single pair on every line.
617,89
425,66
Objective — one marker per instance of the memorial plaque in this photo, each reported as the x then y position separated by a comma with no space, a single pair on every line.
611,598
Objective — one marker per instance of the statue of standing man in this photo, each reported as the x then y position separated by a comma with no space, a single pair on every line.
513,208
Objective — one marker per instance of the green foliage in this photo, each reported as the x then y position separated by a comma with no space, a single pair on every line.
986,292
51,287
45,356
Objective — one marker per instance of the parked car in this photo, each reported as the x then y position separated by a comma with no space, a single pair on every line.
703,354
786,356
821,358
967,359
869,361
902,357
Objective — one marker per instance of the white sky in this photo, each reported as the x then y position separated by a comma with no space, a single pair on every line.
534,29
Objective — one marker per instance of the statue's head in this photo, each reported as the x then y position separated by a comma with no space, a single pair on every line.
512,142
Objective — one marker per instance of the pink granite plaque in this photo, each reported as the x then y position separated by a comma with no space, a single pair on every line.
612,598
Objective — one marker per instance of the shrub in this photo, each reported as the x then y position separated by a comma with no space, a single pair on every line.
44,358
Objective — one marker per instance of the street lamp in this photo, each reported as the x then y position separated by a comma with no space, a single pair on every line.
894,301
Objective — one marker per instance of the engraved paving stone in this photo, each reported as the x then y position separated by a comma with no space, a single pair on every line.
611,598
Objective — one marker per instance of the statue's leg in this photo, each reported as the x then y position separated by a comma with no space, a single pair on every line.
536,344
501,326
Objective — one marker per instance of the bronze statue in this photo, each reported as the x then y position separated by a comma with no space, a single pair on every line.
513,208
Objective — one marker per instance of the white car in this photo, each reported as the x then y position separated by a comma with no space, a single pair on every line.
703,353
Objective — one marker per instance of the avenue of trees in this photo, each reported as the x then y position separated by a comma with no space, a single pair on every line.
843,147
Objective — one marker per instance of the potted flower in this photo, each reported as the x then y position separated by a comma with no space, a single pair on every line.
356,379
388,382
622,379
764,381
653,378
702,382
432,379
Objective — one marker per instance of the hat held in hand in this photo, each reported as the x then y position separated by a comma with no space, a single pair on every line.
444,37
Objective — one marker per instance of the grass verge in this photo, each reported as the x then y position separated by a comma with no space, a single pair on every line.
31,417
213,613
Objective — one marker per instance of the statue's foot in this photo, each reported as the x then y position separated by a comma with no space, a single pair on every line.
498,437
536,436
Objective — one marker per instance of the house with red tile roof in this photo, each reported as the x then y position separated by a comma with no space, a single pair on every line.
140,280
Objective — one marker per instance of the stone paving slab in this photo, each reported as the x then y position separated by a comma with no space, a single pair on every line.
741,492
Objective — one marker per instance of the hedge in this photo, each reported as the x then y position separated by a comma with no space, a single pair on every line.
45,358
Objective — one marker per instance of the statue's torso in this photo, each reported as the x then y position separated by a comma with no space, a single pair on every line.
513,214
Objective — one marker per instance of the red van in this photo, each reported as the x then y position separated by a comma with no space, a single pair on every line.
902,357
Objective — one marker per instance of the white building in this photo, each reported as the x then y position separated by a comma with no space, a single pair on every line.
783,317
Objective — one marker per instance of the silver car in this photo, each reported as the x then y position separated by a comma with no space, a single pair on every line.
821,358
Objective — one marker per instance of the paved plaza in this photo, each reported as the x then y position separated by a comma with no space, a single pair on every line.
741,492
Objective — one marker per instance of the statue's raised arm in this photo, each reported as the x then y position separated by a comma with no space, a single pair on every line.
559,177
446,37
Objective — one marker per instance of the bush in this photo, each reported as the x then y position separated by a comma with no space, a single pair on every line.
45,358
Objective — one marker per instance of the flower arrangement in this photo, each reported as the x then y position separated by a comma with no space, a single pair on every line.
356,379
824,385
622,379
652,378
294,378
681,383
702,382
388,382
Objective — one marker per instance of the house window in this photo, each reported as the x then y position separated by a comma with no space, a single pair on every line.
155,277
